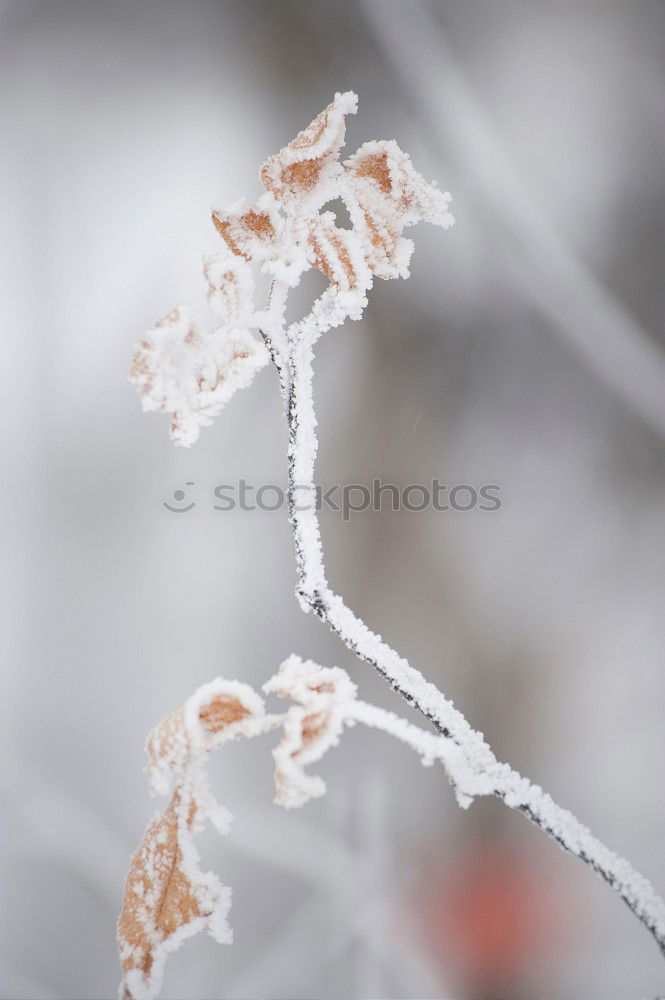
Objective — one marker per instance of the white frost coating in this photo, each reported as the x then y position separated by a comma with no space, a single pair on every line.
230,287
325,702
384,193
290,259
211,896
518,793
301,174
250,231
168,898
408,198
201,738
190,373
181,370
470,763
311,726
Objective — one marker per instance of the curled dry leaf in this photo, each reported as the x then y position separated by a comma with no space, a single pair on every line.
338,253
190,373
301,174
182,370
310,728
251,232
230,287
388,194
167,897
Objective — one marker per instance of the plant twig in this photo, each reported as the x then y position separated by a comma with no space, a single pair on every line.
190,373
479,772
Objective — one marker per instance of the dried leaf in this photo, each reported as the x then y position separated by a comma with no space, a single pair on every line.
221,711
230,287
168,750
167,897
338,253
190,373
251,232
301,173
310,728
390,195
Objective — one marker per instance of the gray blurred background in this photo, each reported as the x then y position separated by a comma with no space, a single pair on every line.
526,350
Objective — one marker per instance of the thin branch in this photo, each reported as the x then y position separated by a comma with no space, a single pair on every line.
471,765
191,373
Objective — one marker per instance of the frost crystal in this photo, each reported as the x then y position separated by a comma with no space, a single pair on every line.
230,287
183,370
390,194
190,373
249,232
310,727
302,174
167,897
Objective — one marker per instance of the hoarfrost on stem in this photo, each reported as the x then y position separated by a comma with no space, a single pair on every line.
190,373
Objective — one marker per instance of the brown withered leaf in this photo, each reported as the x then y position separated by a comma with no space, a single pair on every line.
168,750
302,170
230,287
162,903
167,897
338,253
221,711
311,727
190,373
391,195
248,232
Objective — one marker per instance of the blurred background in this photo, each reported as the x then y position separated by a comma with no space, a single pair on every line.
526,350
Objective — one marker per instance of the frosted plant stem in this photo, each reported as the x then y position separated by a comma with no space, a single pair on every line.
470,763
273,332
184,370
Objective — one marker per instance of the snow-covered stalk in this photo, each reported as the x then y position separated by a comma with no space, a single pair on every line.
168,898
476,770
181,369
